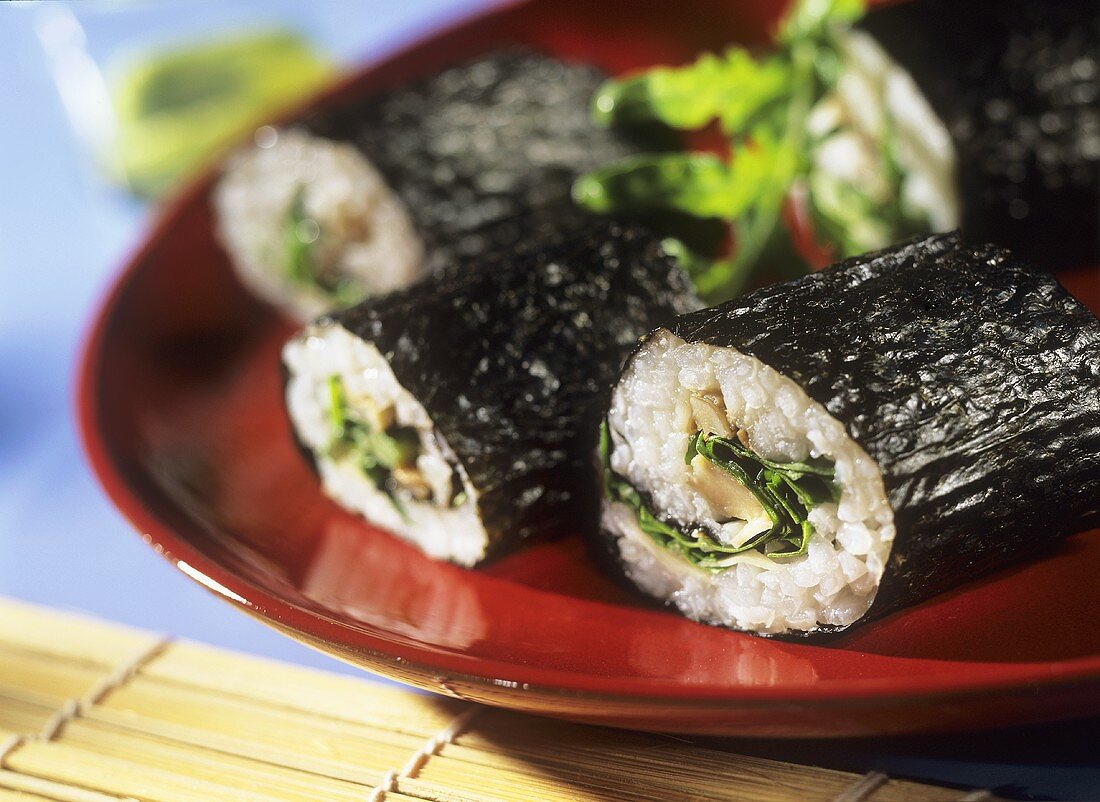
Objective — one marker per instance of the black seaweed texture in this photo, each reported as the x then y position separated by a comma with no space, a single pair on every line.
513,358
476,149
1017,83
972,379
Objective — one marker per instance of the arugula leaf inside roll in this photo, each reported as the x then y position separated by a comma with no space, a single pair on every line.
462,414
827,450
376,447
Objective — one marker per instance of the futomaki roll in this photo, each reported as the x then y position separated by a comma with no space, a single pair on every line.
989,113
462,414
372,196
827,450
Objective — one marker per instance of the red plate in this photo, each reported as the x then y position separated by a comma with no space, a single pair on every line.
181,414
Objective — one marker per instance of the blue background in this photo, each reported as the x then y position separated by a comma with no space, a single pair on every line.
63,234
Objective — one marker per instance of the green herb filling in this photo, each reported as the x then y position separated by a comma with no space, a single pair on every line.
300,236
382,455
787,491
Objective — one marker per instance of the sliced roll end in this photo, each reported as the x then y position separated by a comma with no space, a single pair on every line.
375,447
716,550
310,224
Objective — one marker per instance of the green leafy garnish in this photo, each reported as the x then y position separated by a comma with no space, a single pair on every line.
700,184
808,18
762,105
731,87
787,491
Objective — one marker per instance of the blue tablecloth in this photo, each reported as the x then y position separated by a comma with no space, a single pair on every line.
63,234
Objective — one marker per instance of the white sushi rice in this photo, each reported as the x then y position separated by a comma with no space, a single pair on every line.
328,349
650,422
363,231
875,97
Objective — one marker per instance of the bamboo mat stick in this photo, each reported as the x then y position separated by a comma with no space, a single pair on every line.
208,764
45,676
19,715
354,765
279,685
34,788
72,638
91,712
19,796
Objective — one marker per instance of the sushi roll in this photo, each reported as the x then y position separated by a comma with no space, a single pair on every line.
852,134
827,450
461,414
989,112
370,197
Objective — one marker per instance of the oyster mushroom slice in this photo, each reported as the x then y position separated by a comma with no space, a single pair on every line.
709,414
377,416
738,533
726,495
413,481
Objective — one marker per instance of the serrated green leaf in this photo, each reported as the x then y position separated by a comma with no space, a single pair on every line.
809,19
699,184
763,105
732,86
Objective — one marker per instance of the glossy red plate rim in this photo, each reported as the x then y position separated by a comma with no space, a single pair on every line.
424,664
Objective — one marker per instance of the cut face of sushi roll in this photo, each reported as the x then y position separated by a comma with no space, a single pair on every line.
771,518
310,223
883,163
462,414
370,197
375,447
828,450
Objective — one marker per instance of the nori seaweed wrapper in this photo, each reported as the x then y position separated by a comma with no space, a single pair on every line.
1017,84
514,356
972,380
478,149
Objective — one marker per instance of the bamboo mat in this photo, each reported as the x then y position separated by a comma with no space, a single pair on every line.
91,712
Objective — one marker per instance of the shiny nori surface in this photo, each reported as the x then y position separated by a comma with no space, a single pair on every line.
1017,83
513,359
475,149
972,379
